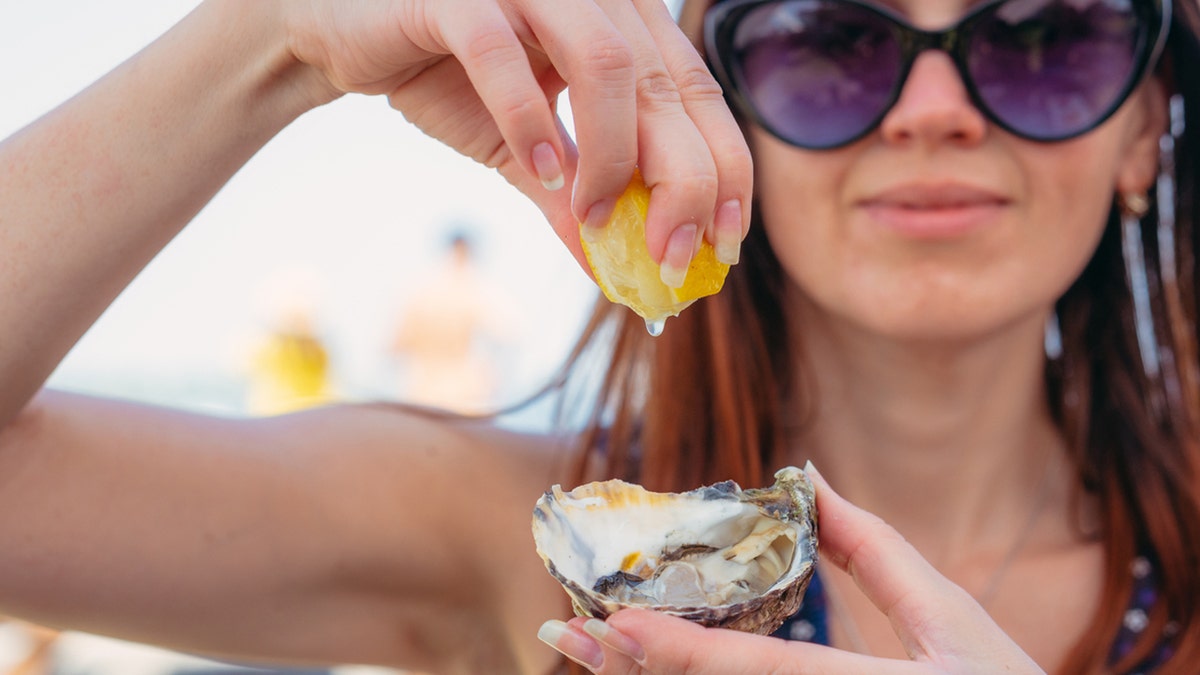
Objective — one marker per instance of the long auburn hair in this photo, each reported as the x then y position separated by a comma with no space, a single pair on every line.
712,397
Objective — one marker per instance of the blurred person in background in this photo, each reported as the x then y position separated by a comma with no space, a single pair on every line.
915,232
444,333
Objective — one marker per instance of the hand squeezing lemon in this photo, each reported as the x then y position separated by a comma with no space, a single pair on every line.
625,272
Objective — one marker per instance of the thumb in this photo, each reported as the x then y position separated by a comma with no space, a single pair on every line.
933,617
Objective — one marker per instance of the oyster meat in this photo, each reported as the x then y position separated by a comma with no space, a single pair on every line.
718,555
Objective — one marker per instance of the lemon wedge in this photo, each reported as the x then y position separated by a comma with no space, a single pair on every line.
625,272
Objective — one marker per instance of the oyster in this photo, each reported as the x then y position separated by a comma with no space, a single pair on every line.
717,555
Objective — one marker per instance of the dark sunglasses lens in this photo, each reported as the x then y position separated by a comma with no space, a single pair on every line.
1050,69
816,73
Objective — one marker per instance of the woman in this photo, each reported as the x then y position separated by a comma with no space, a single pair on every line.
891,331
911,324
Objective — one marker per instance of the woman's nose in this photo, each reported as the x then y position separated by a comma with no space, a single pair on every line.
934,106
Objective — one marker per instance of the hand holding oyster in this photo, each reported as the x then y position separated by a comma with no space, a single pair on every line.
718,555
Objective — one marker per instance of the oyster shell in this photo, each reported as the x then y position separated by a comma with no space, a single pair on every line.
718,555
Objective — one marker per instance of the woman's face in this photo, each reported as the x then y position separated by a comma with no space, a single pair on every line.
938,224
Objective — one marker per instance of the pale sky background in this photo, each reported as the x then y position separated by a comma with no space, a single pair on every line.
346,207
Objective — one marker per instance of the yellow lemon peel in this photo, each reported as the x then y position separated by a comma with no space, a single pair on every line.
625,272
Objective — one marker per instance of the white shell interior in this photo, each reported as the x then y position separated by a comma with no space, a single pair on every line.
589,535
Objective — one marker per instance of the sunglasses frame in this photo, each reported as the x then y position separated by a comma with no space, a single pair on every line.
722,19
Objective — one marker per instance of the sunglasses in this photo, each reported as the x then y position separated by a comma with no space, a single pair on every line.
820,74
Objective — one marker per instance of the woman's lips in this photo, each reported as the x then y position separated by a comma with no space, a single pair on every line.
934,211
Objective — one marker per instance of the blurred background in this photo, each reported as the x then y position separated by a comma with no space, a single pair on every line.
352,259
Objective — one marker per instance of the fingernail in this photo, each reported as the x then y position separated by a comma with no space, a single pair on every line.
728,226
600,212
678,255
578,648
819,480
812,472
549,169
615,639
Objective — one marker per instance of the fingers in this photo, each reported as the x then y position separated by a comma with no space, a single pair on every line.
642,97
483,76
705,105
495,102
495,61
942,627
890,572
573,643
595,59
639,642
674,159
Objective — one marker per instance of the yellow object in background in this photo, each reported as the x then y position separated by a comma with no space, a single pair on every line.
625,272
291,372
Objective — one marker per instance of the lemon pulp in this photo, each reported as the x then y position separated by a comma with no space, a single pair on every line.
627,275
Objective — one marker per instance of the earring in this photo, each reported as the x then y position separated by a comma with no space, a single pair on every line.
1165,191
1167,268
1052,337
1133,207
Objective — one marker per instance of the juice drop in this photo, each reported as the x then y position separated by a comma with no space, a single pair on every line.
655,327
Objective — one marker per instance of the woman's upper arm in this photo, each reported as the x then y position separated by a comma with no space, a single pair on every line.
347,534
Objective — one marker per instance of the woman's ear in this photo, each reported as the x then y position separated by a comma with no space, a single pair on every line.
1140,166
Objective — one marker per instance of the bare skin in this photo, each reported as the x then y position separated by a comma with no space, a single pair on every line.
355,534
249,537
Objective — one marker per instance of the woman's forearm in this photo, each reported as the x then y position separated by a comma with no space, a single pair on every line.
93,190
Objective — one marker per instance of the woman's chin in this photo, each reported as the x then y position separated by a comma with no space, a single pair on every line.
948,326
